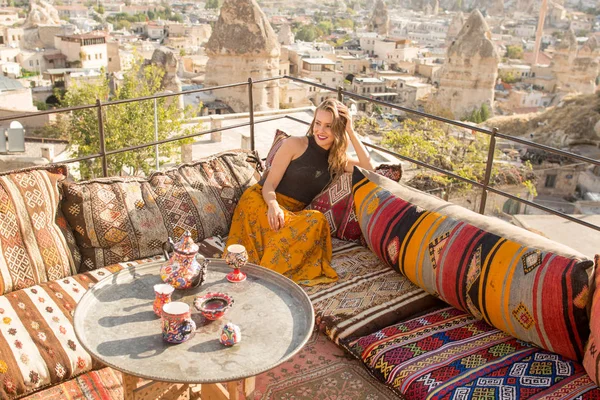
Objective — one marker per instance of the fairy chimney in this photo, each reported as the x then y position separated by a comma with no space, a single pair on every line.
562,61
470,70
243,45
285,36
380,20
456,24
496,8
576,70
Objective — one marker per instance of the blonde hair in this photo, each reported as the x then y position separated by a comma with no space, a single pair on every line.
337,152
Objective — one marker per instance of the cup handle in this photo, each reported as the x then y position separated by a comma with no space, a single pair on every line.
189,326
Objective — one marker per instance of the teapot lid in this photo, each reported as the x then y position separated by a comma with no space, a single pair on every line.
186,245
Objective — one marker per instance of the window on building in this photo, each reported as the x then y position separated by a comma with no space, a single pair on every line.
289,100
89,57
109,59
37,62
31,63
550,181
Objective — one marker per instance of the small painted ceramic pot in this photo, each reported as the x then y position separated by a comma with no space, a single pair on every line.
230,334
213,305
162,294
236,258
177,324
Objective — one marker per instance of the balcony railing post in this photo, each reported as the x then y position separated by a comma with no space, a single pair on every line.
488,171
102,139
156,135
251,105
340,95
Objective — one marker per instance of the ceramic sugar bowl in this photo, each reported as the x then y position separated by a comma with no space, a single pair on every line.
184,268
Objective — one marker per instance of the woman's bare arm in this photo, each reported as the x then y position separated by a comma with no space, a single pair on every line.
289,150
364,160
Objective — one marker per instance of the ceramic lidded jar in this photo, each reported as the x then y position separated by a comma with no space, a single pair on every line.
184,268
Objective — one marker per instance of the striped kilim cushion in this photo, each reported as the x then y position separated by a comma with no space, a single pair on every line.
591,359
125,219
38,346
449,354
531,294
36,243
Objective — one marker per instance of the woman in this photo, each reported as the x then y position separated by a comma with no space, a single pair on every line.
270,220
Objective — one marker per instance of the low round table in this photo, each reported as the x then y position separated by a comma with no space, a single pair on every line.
115,323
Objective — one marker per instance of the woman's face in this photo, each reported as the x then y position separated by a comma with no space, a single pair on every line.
322,132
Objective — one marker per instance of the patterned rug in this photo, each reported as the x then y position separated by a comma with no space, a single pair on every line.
321,370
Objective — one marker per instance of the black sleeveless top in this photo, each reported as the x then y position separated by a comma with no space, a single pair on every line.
307,175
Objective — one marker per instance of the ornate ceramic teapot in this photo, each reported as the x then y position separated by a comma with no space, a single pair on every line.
185,268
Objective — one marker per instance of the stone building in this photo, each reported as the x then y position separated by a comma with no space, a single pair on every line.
243,45
470,70
380,20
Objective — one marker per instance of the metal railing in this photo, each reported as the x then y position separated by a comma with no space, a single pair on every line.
341,93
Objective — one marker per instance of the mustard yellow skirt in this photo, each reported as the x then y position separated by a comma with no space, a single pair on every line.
301,250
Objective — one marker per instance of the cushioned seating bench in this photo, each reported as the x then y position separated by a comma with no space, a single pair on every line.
394,306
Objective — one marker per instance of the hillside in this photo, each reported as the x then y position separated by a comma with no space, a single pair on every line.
570,122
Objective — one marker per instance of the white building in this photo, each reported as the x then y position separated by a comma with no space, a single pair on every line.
322,70
10,69
90,50
395,51
525,31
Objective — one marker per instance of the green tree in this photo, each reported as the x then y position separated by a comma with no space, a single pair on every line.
514,52
508,77
325,27
124,124
212,4
307,33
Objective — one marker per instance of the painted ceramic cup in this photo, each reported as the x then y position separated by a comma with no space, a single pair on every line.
230,334
236,258
177,324
163,294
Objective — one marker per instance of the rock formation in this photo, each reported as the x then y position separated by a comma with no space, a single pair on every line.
470,70
167,60
496,8
285,36
41,25
41,13
576,69
243,45
458,20
380,20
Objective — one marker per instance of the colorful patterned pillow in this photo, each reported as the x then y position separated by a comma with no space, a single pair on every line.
448,354
529,292
34,236
337,203
591,359
278,140
123,219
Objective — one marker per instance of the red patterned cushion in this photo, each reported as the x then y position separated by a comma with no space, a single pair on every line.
337,203
591,358
448,354
37,243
